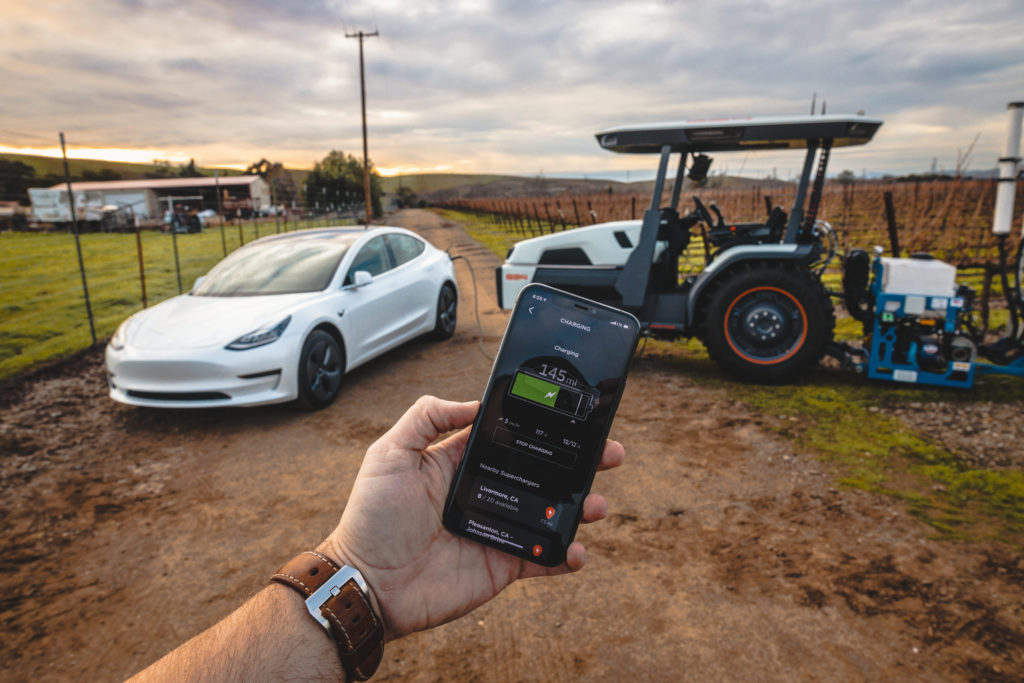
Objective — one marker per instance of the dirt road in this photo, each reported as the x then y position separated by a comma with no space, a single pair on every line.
727,555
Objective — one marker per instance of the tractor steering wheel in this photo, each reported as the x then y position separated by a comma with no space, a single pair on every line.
703,212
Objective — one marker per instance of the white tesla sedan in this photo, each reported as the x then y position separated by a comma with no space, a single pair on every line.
283,318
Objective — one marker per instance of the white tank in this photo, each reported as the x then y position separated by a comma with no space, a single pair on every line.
1009,164
918,276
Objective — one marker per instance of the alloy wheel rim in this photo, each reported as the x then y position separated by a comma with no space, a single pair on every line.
448,310
323,370
765,325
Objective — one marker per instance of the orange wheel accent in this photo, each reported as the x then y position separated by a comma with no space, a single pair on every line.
796,347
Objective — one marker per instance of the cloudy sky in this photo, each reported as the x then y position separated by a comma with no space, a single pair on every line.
501,86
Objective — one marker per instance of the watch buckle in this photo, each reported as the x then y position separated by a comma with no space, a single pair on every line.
331,588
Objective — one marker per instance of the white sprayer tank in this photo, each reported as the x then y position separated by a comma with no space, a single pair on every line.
1009,164
921,277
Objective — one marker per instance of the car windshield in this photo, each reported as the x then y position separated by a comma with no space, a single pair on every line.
285,266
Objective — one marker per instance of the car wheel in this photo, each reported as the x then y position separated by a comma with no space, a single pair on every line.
321,366
767,324
447,313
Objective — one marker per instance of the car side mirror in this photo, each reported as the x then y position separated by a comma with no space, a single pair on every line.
361,277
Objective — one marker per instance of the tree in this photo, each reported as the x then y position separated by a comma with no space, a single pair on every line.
15,179
190,171
336,183
407,198
846,177
102,174
161,169
281,182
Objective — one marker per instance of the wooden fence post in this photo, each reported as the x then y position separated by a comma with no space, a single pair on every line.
890,219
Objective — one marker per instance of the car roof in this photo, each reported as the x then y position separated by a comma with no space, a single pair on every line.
346,233
313,233
750,133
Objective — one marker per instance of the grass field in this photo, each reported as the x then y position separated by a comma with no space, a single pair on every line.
41,298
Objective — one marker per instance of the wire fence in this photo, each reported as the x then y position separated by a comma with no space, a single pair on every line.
43,313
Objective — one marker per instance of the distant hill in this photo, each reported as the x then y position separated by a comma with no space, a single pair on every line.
45,166
447,186
441,186
422,183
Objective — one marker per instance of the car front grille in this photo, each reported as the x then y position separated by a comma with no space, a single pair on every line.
180,395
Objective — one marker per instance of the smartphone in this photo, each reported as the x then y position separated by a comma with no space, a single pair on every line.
538,438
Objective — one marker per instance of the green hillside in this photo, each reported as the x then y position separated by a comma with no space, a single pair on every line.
54,166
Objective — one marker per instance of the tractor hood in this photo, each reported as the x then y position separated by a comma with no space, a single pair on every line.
604,244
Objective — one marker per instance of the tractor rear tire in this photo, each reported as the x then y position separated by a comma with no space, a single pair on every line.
768,323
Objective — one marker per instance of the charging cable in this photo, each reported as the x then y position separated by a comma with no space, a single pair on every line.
476,305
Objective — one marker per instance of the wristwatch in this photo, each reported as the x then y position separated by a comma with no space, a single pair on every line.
337,598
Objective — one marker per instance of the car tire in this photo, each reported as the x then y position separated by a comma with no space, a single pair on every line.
447,313
768,323
321,367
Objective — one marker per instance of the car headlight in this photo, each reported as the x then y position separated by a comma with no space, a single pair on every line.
120,337
261,337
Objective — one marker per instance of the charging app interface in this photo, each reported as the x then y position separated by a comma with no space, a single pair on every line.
555,383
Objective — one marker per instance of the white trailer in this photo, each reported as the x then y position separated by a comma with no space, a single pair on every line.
51,206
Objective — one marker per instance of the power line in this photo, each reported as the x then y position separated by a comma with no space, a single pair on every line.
7,131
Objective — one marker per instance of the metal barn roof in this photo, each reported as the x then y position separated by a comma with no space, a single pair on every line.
156,183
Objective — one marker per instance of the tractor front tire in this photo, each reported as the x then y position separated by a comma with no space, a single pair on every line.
768,323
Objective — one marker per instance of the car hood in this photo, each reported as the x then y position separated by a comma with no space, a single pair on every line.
192,322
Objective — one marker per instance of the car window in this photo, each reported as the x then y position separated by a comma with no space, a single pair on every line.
373,258
281,266
404,248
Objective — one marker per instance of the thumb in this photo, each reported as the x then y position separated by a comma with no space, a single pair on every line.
427,419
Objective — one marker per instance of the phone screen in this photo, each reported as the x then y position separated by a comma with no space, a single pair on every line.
538,438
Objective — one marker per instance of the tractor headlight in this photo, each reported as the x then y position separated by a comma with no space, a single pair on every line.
260,337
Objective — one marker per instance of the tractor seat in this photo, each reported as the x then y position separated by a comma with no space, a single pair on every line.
776,224
675,231
771,231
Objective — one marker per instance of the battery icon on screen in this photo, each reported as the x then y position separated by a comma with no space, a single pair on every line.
568,400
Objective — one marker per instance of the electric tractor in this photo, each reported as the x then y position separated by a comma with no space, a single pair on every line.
757,301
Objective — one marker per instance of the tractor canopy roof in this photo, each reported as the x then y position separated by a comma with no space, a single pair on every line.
751,133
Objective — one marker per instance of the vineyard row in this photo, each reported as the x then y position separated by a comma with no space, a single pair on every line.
952,220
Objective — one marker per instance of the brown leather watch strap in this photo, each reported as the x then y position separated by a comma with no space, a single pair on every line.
355,627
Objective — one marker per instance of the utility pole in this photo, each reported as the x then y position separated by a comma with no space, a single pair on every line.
362,91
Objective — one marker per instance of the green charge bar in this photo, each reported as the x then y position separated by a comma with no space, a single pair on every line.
535,389
572,402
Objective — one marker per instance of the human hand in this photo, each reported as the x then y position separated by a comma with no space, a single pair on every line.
420,574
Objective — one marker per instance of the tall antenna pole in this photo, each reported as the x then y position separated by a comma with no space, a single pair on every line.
362,91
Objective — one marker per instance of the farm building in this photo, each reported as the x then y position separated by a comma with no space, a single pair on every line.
150,198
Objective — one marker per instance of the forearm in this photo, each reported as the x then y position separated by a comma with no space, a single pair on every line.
270,637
